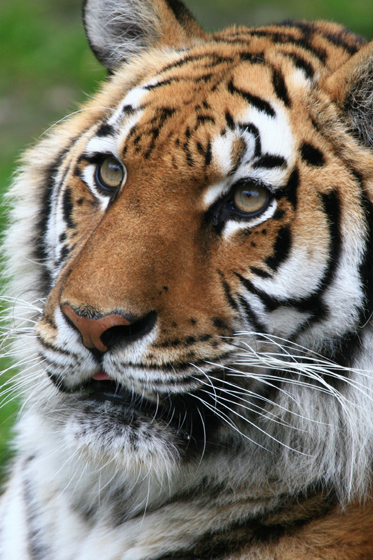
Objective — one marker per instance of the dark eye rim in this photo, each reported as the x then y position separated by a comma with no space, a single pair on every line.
111,191
224,209
243,183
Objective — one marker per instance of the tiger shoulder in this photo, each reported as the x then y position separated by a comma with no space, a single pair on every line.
189,266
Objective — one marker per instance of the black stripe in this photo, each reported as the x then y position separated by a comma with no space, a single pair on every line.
365,272
366,267
287,38
269,302
313,303
280,88
205,118
229,541
339,40
105,130
311,155
302,64
208,156
164,113
255,101
227,292
128,110
154,133
68,208
251,316
181,13
344,353
186,149
345,346
162,84
269,161
280,213
40,252
332,209
177,79
205,152
260,272
212,60
93,159
257,58
291,188
281,248
65,251
158,122
252,129
229,120
188,155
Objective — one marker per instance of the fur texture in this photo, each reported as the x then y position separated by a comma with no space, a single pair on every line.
190,276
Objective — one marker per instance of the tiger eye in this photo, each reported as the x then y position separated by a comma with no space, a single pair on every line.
110,173
250,198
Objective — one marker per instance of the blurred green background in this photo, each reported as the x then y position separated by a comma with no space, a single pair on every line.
47,70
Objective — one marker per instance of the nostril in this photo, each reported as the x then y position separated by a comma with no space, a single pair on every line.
102,333
129,333
92,329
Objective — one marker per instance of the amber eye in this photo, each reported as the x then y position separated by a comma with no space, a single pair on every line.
110,174
250,198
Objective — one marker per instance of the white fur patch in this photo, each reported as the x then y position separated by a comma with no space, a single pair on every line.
276,140
132,100
233,226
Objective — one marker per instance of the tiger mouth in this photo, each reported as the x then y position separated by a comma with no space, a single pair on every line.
112,391
180,412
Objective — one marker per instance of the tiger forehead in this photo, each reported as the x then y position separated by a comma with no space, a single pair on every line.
208,81
191,109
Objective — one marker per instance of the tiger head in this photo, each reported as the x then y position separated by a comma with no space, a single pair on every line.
199,240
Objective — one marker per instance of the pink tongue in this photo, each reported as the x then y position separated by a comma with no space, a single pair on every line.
102,376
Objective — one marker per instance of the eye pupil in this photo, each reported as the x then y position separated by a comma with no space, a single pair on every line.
110,173
250,199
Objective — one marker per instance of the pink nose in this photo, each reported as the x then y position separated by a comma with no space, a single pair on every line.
92,329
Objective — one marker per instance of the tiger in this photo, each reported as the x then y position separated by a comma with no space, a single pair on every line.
189,270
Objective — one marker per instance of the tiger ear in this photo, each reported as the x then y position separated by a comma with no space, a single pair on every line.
119,29
351,87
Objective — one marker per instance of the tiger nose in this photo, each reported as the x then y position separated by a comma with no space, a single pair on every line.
93,329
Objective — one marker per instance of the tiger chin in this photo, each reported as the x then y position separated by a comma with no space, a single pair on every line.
190,270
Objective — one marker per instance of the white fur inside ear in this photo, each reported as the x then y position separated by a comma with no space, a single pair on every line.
119,29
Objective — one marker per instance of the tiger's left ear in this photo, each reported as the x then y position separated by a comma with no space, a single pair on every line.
351,87
117,30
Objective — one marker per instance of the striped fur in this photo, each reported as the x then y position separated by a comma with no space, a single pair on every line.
197,375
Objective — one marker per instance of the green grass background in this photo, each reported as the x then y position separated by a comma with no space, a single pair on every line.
47,70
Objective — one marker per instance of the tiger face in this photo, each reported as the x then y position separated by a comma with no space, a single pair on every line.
203,229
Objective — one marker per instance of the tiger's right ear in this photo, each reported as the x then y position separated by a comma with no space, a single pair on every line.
351,88
119,29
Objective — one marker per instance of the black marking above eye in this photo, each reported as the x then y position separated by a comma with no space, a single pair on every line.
259,104
269,161
280,87
302,64
311,155
105,130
